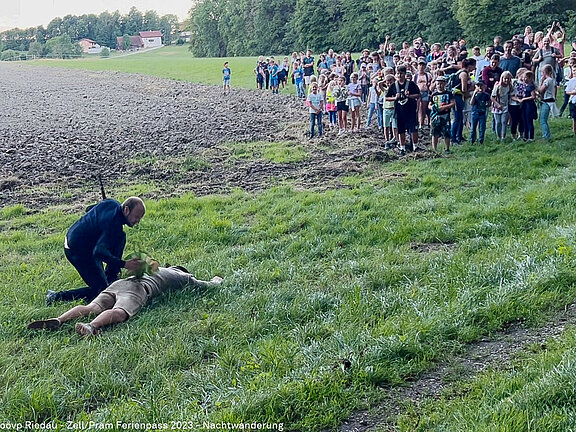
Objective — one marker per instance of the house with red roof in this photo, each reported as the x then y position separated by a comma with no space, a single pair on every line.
89,46
151,39
135,43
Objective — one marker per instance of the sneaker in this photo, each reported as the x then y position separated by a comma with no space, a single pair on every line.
84,329
51,297
387,146
49,324
447,151
402,152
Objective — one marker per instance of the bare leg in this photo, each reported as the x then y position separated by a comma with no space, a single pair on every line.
109,317
80,311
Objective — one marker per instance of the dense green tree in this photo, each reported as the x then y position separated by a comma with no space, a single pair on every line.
133,22
358,29
206,40
238,31
316,24
439,21
126,42
397,19
108,27
483,20
36,49
62,47
150,21
54,28
272,22
168,25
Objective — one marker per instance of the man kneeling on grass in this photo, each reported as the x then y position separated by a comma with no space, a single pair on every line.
124,298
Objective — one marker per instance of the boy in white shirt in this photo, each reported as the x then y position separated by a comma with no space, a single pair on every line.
316,107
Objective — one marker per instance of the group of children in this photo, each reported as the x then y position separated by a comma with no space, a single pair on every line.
444,91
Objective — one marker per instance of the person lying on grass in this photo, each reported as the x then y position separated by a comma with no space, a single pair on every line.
124,298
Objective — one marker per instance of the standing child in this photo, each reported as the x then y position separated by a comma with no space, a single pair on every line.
479,101
331,104
547,90
372,101
315,108
226,77
273,70
354,100
388,118
441,102
528,109
422,80
501,95
340,92
298,79
364,79
571,91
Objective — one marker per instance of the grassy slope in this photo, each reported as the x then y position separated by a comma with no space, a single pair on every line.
311,279
170,62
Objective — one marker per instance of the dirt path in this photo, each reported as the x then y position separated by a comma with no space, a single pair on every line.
492,351
60,128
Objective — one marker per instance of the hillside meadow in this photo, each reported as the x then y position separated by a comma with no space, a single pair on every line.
174,62
328,296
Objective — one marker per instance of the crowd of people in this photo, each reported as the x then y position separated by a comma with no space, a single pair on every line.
441,87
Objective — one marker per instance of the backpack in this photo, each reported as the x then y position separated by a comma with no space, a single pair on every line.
453,81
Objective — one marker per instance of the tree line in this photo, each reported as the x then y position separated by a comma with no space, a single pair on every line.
103,28
254,27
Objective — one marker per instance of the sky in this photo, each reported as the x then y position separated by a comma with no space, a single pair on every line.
32,13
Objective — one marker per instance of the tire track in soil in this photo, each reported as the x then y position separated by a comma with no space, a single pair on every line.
494,351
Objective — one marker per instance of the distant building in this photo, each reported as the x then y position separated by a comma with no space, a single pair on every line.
186,36
151,39
135,43
89,46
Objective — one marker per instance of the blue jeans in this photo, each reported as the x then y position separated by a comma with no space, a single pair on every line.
544,114
478,123
315,118
458,124
500,124
300,90
374,107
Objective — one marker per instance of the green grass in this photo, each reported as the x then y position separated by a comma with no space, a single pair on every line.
536,392
310,279
173,62
277,152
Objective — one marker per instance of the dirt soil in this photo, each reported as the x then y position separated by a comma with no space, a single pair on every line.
60,128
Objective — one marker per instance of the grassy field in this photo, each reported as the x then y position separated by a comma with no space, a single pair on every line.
173,62
328,296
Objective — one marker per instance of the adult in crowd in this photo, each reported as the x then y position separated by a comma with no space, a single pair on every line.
308,66
491,74
509,62
97,238
547,55
124,298
405,94
462,91
485,62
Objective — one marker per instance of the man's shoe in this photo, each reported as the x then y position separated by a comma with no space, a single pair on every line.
49,324
86,330
51,297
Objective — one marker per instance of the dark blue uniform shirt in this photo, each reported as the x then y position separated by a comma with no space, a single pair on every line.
99,234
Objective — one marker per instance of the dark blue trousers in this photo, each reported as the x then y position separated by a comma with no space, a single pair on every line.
92,272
